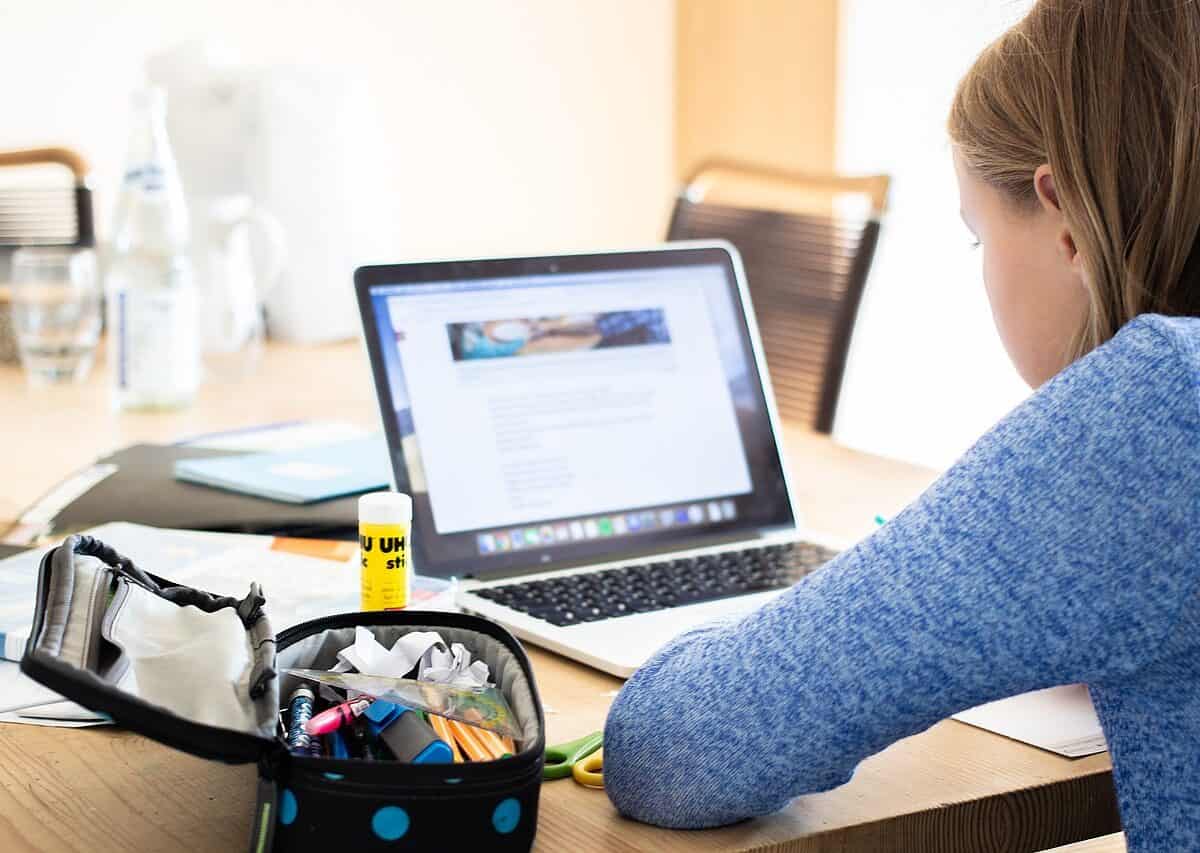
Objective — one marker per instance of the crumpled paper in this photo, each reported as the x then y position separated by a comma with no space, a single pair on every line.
453,666
370,657
424,650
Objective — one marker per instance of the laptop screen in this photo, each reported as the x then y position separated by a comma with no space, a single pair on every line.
550,411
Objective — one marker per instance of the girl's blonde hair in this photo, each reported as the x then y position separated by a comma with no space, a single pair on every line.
1108,93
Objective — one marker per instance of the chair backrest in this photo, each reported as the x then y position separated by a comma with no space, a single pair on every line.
44,201
807,242
41,205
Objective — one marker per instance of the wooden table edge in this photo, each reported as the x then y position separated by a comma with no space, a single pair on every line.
916,830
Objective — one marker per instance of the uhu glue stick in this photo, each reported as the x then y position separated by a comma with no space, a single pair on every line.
384,519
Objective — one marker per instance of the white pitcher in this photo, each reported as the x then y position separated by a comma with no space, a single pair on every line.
240,253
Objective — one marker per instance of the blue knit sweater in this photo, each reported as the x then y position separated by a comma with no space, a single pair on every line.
1063,547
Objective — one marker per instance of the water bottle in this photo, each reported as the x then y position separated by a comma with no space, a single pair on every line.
153,317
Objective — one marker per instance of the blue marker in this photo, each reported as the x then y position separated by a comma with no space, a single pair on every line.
409,737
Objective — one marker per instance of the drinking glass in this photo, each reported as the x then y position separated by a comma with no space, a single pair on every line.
55,312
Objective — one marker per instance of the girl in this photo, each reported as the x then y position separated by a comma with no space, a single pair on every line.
1065,545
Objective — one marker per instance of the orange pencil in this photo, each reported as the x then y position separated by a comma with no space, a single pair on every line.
441,726
492,741
472,746
489,741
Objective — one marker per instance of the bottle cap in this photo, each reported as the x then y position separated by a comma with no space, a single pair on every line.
384,508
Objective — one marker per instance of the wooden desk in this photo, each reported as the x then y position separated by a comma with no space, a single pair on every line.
951,788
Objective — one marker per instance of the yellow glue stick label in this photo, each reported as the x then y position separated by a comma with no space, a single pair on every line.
384,549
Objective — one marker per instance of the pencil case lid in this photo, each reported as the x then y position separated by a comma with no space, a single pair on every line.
193,670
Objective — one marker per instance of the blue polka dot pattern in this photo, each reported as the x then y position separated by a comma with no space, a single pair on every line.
287,807
506,816
390,823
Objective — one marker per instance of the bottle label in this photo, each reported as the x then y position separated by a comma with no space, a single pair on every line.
147,177
158,352
385,576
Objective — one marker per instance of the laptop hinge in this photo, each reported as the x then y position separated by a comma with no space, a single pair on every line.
666,550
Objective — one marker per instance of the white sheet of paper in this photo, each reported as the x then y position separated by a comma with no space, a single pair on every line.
43,512
1058,719
62,712
52,722
18,582
297,587
17,691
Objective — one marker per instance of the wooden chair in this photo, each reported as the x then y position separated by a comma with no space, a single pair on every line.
807,242
45,200
46,208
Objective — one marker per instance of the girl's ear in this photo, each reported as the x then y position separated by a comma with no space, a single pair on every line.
1047,194
1043,185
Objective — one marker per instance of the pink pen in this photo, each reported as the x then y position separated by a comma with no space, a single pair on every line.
334,718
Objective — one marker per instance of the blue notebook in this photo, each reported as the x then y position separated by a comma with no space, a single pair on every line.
296,476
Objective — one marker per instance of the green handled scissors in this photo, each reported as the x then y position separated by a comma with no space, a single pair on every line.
580,758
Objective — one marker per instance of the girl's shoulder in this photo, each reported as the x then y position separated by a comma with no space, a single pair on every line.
1153,341
1150,370
1179,333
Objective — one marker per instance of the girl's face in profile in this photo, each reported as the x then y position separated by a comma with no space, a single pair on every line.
1032,273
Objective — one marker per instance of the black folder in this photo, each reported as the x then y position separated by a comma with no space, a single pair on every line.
144,490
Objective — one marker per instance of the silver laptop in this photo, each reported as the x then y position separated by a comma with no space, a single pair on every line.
590,442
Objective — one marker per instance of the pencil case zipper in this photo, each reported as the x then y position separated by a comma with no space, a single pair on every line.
370,778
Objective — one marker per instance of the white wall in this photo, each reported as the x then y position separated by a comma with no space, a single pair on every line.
523,125
927,374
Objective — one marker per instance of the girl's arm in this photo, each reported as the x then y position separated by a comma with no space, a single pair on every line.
1063,547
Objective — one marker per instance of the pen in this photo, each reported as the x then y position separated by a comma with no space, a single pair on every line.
300,711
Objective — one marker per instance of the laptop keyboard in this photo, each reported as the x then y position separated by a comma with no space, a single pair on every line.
592,596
